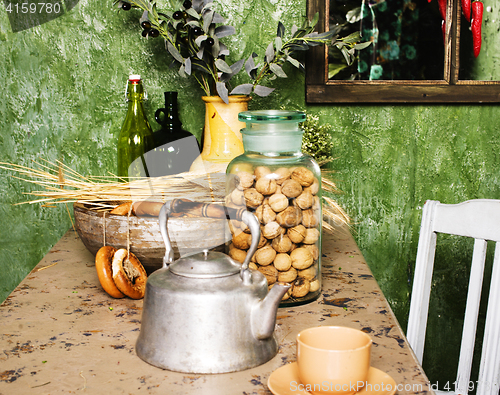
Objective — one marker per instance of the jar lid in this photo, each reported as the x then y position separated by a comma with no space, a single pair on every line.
134,77
206,264
271,116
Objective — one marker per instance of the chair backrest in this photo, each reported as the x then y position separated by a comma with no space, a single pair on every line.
480,220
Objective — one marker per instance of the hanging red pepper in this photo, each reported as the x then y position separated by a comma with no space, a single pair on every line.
466,9
442,8
476,22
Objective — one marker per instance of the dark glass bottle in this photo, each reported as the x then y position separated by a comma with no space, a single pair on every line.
136,135
175,148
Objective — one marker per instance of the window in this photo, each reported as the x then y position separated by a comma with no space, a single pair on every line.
411,59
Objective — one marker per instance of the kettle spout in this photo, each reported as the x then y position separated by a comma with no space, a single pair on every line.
264,312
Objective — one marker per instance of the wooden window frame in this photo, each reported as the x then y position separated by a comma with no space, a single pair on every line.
449,90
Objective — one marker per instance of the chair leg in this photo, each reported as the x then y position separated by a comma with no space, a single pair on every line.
471,314
489,371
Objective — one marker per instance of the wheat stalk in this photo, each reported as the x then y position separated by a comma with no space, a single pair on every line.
64,185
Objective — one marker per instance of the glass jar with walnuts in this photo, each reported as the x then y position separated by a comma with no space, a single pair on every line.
282,187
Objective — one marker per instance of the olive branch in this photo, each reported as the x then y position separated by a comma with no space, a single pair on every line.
192,31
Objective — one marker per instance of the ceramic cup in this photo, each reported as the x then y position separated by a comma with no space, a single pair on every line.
333,359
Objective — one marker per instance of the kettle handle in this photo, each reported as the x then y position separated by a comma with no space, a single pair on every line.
168,258
210,210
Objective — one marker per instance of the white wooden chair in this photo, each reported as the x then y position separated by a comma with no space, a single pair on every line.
480,220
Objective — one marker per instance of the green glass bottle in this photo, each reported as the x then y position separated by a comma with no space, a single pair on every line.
136,135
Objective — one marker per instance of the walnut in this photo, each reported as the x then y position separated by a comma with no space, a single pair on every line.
309,273
270,273
317,203
287,295
291,216
297,233
265,214
281,174
314,250
244,227
272,230
305,200
314,285
312,236
301,258
313,188
291,188
309,218
303,175
261,171
262,241
234,227
282,262
282,243
237,254
242,241
245,180
266,186
278,202
237,197
253,198
301,287
265,255
253,266
288,276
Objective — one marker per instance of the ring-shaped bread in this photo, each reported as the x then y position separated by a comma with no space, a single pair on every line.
103,264
128,274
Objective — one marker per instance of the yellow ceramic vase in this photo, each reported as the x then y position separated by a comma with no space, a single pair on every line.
222,137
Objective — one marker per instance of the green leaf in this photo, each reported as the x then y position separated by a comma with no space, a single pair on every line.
207,20
279,43
222,91
182,71
243,89
352,38
193,24
334,69
361,46
187,66
281,30
224,31
293,61
222,66
277,70
193,13
263,91
174,52
354,15
315,20
200,39
270,53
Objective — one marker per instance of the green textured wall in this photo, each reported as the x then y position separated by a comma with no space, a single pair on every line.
64,101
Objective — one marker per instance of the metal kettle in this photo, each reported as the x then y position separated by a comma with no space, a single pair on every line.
205,312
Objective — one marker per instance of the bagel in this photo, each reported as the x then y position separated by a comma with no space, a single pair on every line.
120,275
129,275
103,262
122,209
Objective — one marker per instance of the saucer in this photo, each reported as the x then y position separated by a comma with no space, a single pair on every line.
285,381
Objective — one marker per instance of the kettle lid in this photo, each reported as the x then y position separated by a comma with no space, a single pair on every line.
206,264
